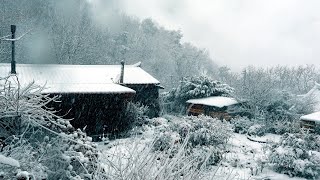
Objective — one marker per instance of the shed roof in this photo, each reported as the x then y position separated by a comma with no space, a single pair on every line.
311,117
79,78
87,88
216,101
79,74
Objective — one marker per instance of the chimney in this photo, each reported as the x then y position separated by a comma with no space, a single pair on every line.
122,72
13,62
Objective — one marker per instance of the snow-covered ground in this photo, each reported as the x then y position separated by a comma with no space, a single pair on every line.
244,154
239,162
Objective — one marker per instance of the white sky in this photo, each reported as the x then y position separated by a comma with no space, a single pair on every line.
238,33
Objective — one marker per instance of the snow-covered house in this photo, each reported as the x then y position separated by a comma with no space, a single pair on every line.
96,94
310,120
215,106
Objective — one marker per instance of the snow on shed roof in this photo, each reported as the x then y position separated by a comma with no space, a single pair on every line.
87,88
217,101
78,74
79,78
311,117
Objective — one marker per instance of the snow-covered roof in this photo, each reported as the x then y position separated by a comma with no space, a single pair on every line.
87,88
217,101
79,78
311,117
313,94
79,74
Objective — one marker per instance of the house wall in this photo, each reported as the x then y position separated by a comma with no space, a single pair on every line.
215,112
220,113
307,124
147,95
99,113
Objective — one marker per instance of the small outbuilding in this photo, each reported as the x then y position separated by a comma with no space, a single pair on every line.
215,106
310,121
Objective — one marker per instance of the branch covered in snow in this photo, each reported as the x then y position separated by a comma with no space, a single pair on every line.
9,161
4,38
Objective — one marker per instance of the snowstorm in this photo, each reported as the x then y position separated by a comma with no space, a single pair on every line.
152,90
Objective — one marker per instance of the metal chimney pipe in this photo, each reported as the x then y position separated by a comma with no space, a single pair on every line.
13,61
122,72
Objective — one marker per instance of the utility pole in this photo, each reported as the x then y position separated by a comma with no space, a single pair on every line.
122,72
13,61
13,39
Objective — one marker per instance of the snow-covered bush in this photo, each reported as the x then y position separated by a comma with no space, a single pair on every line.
212,156
317,129
45,145
22,107
274,105
260,126
140,161
297,155
133,115
241,124
204,130
202,135
163,142
194,87
256,130
283,126
54,156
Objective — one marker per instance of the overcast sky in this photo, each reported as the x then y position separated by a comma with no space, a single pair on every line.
238,33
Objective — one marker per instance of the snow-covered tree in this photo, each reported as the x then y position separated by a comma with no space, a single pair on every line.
196,87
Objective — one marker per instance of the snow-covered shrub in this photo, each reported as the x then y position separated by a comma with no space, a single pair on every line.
45,145
241,124
281,127
54,156
163,142
202,130
256,130
297,155
201,134
272,104
26,106
140,161
194,87
317,129
212,156
158,121
133,115
206,130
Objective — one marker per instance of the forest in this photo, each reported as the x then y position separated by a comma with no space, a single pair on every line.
267,141
68,33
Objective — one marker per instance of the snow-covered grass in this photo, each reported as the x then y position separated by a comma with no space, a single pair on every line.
134,158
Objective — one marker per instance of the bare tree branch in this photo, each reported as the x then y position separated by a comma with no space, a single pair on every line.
16,39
